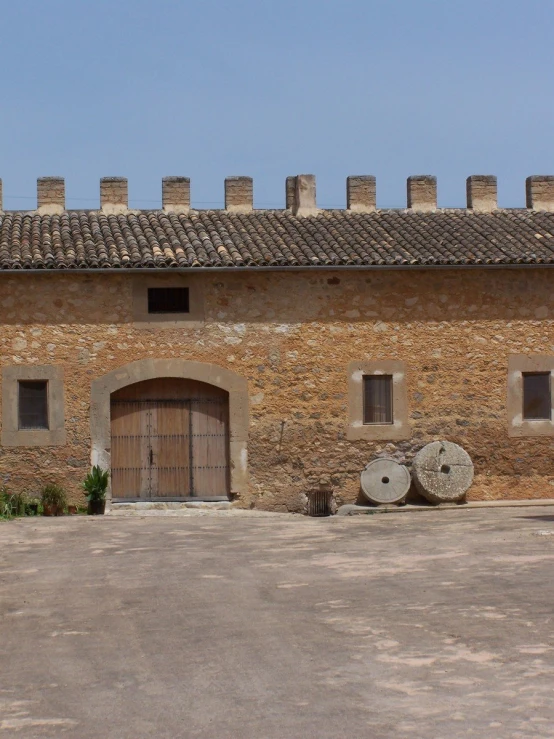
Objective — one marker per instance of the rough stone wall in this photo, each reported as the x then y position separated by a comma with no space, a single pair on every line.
292,335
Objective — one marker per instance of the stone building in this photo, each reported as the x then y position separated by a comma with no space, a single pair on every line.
256,355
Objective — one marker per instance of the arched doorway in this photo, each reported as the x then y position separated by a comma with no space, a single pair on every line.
234,385
169,441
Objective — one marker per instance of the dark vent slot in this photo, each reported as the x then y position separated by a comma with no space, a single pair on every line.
168,300
319,503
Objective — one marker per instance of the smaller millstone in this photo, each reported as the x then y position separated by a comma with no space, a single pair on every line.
385,481
442,472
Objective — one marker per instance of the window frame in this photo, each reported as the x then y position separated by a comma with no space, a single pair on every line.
400,426
12,435
145,320
518,366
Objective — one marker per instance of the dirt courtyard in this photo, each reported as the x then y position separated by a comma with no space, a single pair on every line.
431,625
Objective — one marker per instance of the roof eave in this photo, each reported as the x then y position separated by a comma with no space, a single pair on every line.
276,268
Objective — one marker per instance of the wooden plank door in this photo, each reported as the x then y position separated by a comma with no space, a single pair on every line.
171,474
210,443
130,449
170,440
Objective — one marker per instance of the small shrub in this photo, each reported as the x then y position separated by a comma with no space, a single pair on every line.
32,505
96,484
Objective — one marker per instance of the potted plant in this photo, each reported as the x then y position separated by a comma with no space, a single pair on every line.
95,486
32,506
54,500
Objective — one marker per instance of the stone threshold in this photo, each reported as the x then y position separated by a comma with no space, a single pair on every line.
162,506
354,510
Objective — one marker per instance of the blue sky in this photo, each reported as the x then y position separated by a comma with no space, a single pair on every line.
269,88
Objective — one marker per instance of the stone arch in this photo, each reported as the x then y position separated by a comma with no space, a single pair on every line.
150,369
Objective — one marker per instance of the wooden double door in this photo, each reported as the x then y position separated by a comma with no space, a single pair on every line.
170,441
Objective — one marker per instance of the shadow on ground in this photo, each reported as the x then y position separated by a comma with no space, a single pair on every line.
538,518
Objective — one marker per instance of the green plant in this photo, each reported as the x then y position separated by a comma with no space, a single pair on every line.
11,504
18,503
6,509
96,484
32,505
54,496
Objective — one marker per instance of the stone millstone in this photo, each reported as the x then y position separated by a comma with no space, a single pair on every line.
385,481
442,472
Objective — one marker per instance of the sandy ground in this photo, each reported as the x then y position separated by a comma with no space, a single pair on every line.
428,625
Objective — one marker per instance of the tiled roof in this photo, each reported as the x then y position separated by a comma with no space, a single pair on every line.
203,239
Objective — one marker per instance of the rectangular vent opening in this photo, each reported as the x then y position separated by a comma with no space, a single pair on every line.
319,503
168,300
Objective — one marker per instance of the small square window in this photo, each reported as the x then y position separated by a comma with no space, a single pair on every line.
168,300
377,399
33,404
537,403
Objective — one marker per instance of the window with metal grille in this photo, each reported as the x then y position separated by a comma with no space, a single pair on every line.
537,403
168,300
377,399
33,404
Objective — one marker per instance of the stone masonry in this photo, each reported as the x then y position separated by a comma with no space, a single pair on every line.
292,335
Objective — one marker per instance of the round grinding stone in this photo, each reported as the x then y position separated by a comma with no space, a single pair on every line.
443,472
385,481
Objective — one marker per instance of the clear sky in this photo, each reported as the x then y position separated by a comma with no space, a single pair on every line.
270,88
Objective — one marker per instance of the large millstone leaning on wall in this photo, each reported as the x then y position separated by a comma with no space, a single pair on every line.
442,472
385,481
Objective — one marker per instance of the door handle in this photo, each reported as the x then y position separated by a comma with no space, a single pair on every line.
151,457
